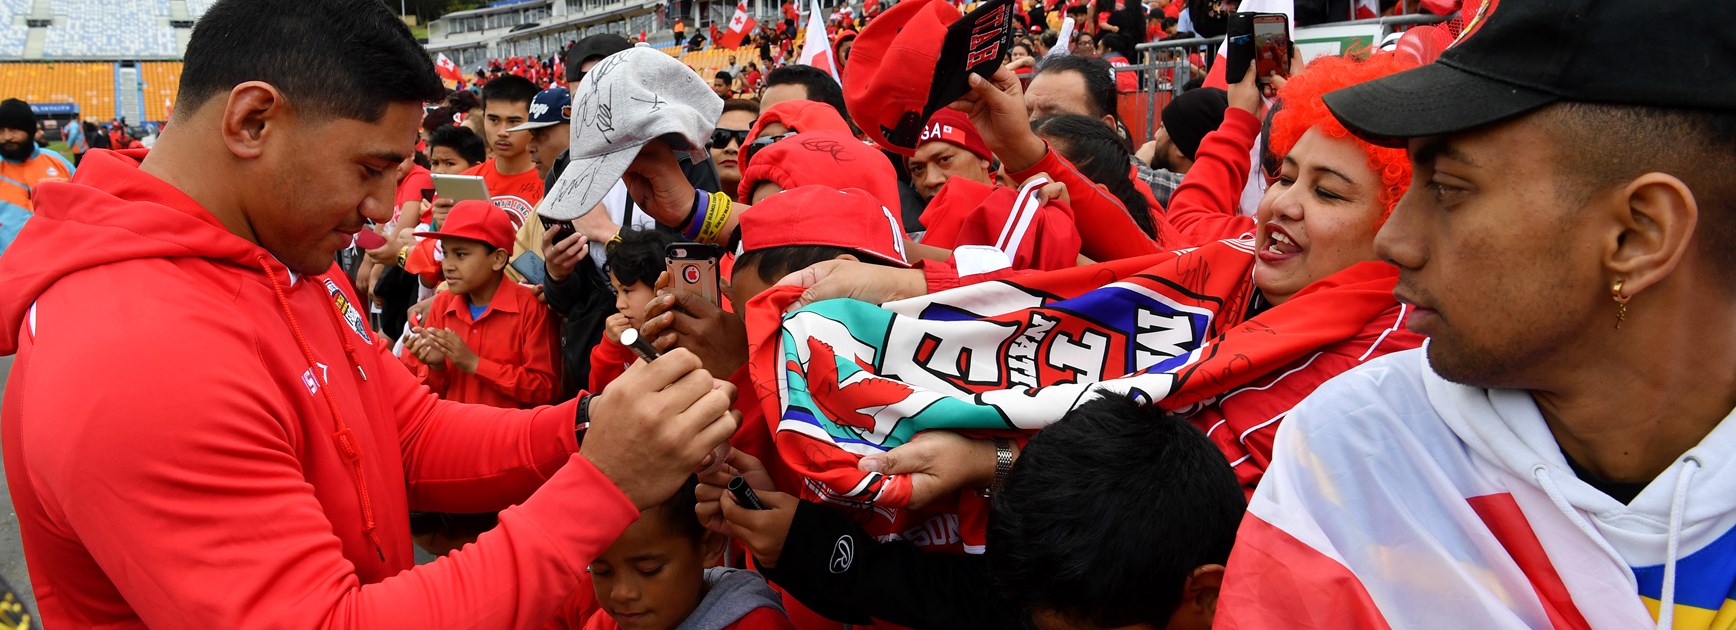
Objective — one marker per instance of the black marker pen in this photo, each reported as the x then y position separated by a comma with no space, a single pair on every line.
744,494
639,345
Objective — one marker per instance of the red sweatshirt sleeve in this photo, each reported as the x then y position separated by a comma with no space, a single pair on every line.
609,360
1106,230
1203,208
233,537
532,382
941,275
476,458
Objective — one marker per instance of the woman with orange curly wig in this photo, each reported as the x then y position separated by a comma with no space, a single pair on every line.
1329,196
1313,231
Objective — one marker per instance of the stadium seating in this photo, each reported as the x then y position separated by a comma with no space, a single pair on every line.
12,35
90,85
161,79
196,8
87,28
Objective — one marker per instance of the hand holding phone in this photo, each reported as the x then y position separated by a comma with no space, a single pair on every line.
1261,39
693,267
1271,46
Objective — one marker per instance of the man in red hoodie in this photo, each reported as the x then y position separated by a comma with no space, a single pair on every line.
225,444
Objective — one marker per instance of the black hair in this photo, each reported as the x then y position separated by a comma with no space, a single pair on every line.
461,140
638,258
677,511
821,87
773,263
464,101
343,58
1108,512
437,118
1119,43
1050,38
509,88
1603,145
741,105
1101,156
1099,80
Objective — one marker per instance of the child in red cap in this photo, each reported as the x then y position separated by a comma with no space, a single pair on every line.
485,341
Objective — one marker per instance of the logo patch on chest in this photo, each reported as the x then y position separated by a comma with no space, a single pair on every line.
348,311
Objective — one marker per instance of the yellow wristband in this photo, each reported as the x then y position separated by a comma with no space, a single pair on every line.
716,217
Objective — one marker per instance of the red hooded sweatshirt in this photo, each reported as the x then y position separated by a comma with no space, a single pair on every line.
195,437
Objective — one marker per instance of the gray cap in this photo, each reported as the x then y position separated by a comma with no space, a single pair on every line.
630,98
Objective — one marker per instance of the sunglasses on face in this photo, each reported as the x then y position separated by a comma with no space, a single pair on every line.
721,137
761,143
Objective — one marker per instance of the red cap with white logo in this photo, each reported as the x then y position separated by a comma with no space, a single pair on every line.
818,215
951,125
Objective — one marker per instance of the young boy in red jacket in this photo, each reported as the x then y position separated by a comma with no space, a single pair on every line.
486,341
654,577
634,265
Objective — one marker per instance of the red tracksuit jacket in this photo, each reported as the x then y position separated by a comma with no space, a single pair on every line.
515,344
196,438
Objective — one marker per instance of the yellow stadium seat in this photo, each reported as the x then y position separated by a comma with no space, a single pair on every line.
90,85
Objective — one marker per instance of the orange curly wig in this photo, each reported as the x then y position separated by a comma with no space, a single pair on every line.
1303,109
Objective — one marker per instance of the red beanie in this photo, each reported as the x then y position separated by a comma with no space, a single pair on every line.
799,116
826,158
951,125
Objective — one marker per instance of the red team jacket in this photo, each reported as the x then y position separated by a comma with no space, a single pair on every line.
195,437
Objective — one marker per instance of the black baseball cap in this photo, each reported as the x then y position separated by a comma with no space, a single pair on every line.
1515,56
593,47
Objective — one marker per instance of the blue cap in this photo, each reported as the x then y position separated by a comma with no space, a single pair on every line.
551,107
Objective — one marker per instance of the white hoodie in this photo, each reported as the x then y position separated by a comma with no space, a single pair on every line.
1398,499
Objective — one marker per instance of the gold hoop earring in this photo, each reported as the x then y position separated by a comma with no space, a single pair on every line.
1621,300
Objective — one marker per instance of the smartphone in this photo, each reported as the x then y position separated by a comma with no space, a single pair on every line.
461,187
1238,45
693,267
566,227
1271,46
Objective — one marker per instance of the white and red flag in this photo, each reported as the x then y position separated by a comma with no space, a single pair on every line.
446,69
739,26
817,50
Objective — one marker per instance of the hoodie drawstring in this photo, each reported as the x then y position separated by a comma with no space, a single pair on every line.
1678,506
1540,472
343,437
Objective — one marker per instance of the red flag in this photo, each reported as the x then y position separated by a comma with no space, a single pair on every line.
740,25
1365,10
446,69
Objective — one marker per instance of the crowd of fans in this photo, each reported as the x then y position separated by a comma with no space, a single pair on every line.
1325,351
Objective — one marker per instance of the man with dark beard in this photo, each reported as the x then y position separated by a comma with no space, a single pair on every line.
23,165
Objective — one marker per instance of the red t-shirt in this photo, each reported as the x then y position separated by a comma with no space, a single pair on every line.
518,194
417,186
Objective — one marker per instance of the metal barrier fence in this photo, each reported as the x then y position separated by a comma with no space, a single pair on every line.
1165,68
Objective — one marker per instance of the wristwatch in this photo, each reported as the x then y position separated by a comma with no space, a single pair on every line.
1003,465
582,420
